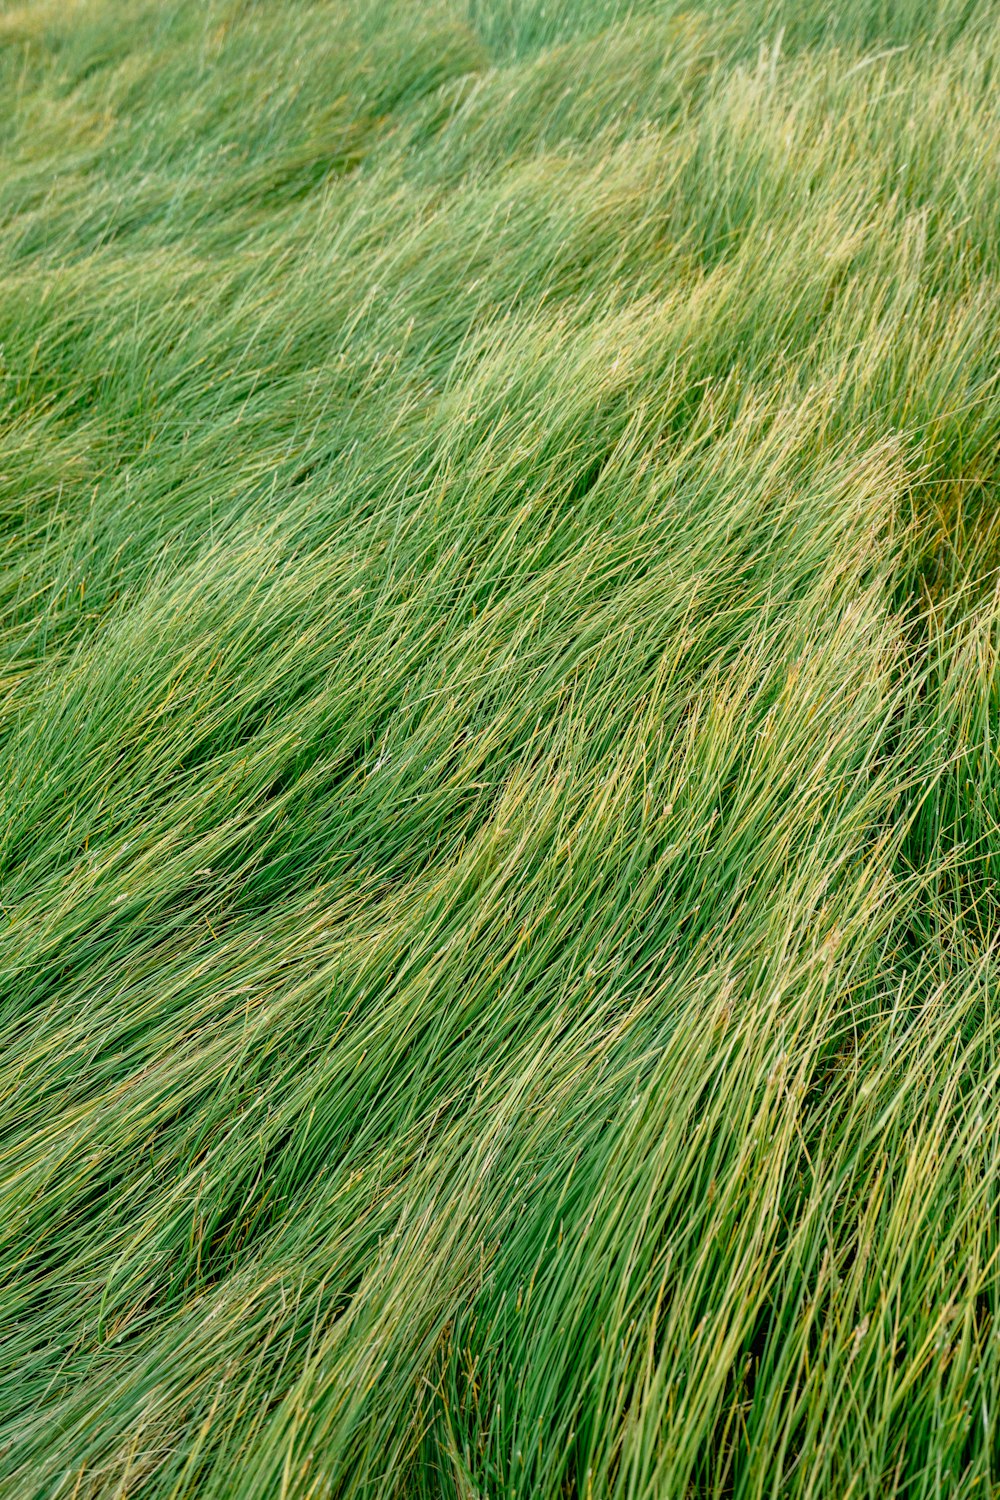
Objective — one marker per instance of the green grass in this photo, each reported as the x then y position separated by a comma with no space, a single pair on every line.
499,731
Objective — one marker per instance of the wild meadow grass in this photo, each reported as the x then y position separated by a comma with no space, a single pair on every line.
499,730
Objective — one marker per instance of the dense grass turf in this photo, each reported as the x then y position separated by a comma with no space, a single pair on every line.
499,717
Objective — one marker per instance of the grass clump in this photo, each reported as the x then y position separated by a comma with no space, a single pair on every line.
499,720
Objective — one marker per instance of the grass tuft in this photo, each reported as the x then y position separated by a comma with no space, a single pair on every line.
499,718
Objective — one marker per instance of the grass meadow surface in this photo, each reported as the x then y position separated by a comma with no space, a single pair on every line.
499,731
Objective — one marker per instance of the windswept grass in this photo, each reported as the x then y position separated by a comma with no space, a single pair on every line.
499,729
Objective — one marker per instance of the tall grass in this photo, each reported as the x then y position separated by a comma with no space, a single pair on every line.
499,718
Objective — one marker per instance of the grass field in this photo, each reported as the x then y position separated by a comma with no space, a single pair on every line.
499,732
